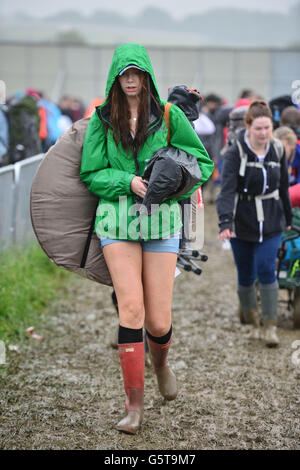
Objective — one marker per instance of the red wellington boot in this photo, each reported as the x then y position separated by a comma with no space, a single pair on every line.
132,358
166,378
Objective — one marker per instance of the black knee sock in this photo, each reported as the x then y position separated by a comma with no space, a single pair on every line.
161,339
130,335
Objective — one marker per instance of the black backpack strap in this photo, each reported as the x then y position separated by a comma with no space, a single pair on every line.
135,155
88,242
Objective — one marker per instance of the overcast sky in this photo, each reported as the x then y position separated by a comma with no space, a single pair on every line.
177,8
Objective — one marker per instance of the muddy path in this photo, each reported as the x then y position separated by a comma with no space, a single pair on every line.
66,391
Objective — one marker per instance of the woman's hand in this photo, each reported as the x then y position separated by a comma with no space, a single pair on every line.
138,187
226,234
289,227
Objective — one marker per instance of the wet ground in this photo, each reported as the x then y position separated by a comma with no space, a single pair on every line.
66,392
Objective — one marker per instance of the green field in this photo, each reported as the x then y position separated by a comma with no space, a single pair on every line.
29,282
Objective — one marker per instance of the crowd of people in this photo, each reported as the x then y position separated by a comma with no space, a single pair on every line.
254,168
213,128
30,123
256,149
48,120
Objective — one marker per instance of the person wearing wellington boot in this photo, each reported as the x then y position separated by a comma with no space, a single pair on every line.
140,250
254,208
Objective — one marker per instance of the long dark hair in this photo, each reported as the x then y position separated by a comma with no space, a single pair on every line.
120,114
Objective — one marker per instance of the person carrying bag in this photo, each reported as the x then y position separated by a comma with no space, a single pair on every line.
140,250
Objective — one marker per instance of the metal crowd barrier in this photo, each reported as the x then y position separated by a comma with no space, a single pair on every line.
15,185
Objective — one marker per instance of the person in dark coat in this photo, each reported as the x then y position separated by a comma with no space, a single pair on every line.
254,208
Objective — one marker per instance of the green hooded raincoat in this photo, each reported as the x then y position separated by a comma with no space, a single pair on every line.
108,170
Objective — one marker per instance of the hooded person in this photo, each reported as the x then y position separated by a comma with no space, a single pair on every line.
140,250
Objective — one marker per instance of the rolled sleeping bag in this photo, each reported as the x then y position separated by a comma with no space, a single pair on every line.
63,209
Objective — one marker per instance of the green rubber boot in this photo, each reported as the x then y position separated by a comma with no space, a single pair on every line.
269,306
248,312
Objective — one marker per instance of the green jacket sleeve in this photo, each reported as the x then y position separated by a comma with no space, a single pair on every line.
107,183
183,136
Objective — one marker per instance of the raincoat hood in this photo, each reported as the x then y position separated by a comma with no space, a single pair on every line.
108,169
130,54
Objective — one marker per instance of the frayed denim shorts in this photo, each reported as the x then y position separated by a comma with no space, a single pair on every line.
168,244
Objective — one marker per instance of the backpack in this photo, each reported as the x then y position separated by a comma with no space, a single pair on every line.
53,115
289,252
187,100
192,208
236,124
277,105
24,125
277,145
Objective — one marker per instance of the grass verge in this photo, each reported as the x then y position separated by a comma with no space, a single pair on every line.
29,282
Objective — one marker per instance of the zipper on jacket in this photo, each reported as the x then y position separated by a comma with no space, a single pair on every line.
137,172
264,172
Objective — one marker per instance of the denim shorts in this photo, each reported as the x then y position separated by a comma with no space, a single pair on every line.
168,244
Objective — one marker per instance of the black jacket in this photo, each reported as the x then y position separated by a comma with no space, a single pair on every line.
172,173
238,193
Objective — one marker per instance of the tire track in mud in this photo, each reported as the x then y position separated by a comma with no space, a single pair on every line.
66,392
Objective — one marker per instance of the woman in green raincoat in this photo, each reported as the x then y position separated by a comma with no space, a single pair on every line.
140,250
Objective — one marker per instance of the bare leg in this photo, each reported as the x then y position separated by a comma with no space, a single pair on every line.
124,261
158,280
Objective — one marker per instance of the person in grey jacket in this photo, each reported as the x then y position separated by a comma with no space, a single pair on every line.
254,208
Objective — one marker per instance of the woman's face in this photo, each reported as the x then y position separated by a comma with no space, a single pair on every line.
260,131
131,82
